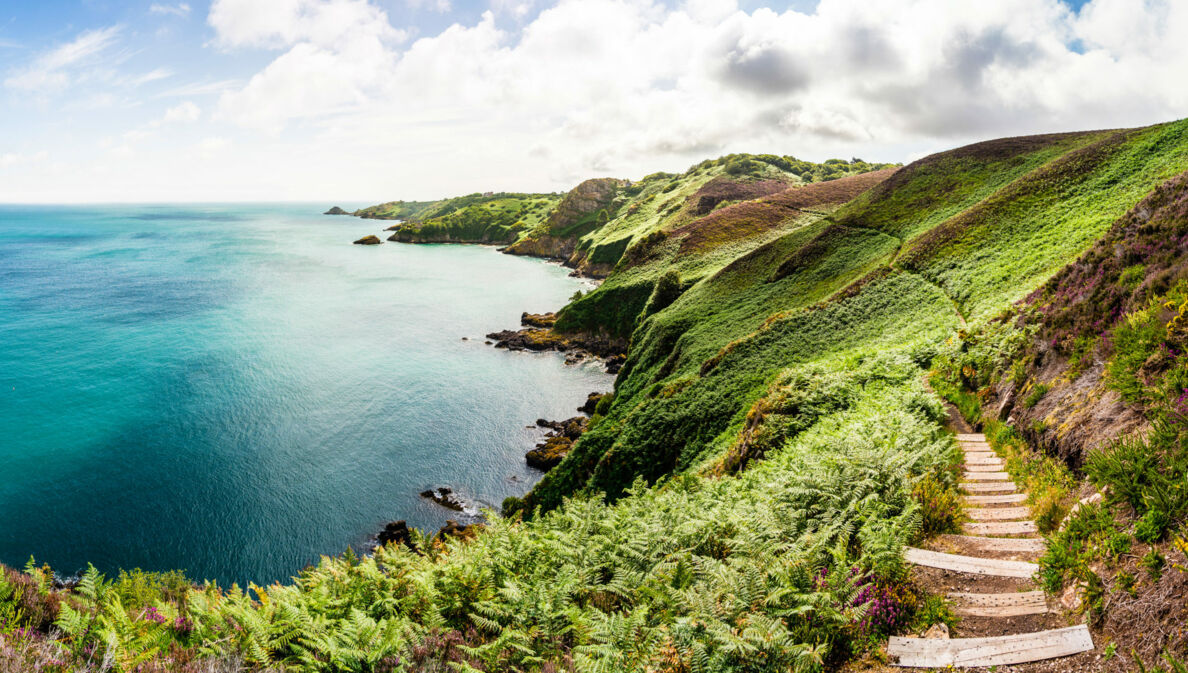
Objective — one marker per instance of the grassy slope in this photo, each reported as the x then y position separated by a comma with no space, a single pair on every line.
984,224
799,337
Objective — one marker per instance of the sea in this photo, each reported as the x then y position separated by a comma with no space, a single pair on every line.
236,390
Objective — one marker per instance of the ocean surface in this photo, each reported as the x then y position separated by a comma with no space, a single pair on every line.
237,390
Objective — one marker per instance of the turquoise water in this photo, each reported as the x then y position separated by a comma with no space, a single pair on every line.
237,390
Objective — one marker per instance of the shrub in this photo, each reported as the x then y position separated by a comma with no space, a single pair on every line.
1090,534
940,505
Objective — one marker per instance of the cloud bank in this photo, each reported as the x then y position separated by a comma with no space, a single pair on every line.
343,101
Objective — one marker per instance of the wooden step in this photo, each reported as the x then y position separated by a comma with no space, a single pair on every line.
987,476
999,544
982,458
988,486
997,651
976,448
984,467
998,513
971,437
999,605
1005,499
970,564
1001,528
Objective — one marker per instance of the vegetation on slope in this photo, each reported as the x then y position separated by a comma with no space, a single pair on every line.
1093,368
741,502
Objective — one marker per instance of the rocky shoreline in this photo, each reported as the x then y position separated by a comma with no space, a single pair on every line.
537,335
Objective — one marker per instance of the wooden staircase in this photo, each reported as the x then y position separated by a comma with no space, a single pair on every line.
999,525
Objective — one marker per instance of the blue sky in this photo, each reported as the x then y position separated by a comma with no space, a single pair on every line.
366,100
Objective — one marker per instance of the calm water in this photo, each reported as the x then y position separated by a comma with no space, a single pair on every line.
237,390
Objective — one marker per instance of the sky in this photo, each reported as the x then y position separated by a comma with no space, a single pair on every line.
353,102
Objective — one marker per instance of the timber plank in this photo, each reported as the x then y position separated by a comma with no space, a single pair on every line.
1008,544
999,605
998,513
1004,499
987,476
988,486
997,651
984,467
1000,528
970,564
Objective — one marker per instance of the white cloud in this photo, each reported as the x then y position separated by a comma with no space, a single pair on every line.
10,159
181,9
185,111
52,71
538,96
432,5
282,23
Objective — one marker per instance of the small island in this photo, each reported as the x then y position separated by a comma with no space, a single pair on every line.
337,211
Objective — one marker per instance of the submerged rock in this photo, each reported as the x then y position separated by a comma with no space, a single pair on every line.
336,211
369,240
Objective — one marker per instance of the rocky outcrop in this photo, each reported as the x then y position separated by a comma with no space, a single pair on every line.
444,497
396,532
592,401
549,453
538,319
457,530
369,240
336,211
557,443
590,203
578,347
584,201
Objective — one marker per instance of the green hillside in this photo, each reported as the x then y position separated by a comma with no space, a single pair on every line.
743,500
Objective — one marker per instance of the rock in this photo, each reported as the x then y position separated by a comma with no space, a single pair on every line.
531,339
461,531
591,404
394,227
396,532
938,631
574,427
336,211
584,199
557,444
549,453
1072,597
538,319
444,497
369,240
614,363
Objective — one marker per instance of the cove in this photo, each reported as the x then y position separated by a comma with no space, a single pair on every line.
235,390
